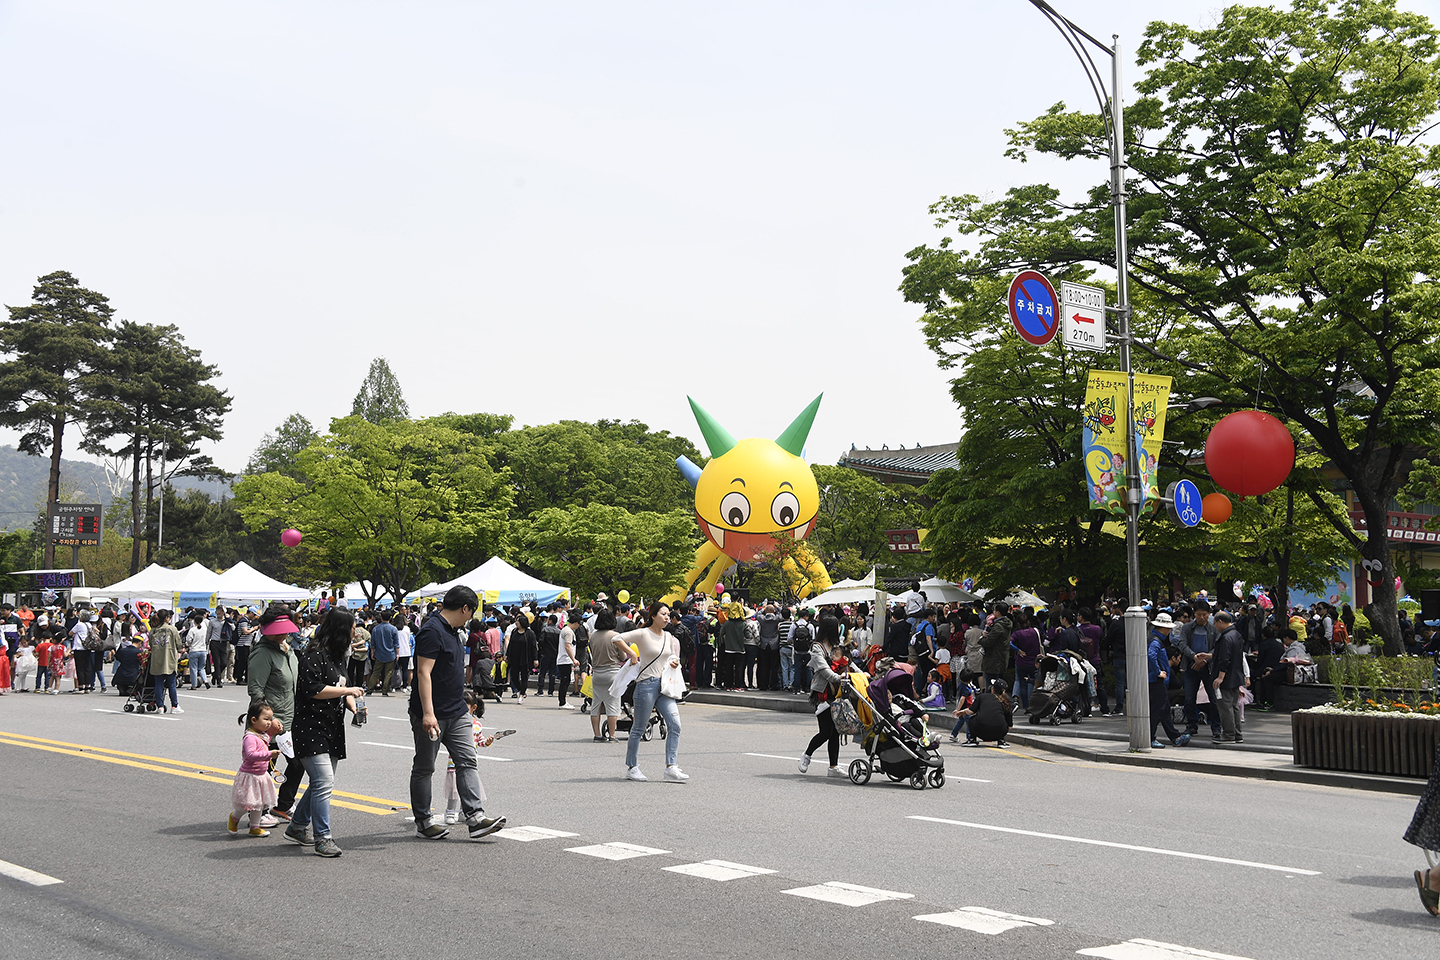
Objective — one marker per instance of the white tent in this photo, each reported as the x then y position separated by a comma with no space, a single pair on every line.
161,587
497,582
153,578
847,591
243,584
944,591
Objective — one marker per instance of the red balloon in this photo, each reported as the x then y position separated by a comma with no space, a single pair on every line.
1216,508
291,537
1249,453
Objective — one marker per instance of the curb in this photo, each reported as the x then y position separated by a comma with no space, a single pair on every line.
1325,778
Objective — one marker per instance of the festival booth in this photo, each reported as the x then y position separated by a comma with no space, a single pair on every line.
848,591
243,585
496,582
164,589
943,591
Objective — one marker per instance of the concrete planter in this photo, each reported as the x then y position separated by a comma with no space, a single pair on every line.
1387,744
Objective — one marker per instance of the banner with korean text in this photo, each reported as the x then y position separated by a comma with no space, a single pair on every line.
1105,417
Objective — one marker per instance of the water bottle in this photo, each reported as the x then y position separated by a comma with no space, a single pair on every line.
361,714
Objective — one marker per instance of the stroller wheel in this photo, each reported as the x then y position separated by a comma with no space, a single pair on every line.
1075,717
129,708
859,772
150,708
917,782
937,778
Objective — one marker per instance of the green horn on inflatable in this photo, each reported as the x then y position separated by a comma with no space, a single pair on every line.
717,438
792,441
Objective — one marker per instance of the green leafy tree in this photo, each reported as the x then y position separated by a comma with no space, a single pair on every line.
153,399
380,399
855,513
596,547
390,503
52,348
1284,223
281,449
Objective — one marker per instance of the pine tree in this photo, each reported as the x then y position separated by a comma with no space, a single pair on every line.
380,399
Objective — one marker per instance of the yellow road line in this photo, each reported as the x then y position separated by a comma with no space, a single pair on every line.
193,771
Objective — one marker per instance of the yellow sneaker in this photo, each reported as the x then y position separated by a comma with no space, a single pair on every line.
233,824
259,832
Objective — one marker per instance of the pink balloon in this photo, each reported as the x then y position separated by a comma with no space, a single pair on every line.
719,589
291,537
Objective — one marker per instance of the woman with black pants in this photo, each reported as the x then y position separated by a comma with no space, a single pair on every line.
520,654
824,680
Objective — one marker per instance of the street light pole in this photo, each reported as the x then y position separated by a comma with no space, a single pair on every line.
1137,667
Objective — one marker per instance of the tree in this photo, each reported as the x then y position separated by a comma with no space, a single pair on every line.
53,347
390,503
380,399
1284,224
154,396
280,450
855,513
595,547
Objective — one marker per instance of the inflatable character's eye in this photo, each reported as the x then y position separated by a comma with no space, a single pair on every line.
785,508
735,509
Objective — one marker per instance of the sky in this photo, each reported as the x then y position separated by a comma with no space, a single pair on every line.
549,210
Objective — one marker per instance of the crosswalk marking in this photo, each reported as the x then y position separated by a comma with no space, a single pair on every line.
1153,950
718,870
527,834
616,851
17,872
847,894
981,920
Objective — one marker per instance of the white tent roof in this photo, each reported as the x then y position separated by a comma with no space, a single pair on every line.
847,591
946,592
498,582
242,583
153,577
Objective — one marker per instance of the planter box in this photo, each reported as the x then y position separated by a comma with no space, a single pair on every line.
1395,746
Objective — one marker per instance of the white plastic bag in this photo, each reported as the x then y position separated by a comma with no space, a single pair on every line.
623,679
672,683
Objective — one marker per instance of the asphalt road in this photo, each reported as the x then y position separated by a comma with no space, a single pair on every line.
1019,855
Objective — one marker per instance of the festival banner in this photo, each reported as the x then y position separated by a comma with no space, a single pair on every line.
1152,398
1105,420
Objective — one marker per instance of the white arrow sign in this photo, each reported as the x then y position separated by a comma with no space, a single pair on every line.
1083,316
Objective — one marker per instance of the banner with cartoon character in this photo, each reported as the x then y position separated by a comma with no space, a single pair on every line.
1105,419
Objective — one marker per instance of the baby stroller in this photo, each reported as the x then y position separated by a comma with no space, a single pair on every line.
894,735
142,694
1060,689
483,680
656,723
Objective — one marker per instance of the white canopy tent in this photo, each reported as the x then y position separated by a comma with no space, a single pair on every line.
848,591
495,581
243,584
164,588
944,591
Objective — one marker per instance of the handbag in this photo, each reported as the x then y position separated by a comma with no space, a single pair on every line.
672,683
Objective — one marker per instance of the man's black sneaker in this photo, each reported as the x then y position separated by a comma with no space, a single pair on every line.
485,826
431,831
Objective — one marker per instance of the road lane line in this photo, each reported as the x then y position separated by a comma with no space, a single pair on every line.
138,713
616,851
1121,846
191,696
17,872
774,756
1153,950
721,870
192,771
529,834
981,920
847,894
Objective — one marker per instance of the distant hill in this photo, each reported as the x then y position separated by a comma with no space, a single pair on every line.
23,479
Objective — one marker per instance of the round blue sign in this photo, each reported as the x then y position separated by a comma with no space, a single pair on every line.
1184,503
1034,307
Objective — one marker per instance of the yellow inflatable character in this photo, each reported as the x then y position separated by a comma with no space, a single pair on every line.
750,490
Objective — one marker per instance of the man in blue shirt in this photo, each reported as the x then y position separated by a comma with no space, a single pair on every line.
439,715
384,644
1159,659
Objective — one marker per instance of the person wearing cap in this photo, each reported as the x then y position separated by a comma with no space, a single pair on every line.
1159,659
271,678
1229,669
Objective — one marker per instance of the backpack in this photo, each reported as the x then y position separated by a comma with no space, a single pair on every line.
845,717
800,637
93,641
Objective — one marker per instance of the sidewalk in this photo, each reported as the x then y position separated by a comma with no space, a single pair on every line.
1266,754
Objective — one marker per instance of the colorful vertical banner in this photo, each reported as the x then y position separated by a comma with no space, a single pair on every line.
1152,398
1106,418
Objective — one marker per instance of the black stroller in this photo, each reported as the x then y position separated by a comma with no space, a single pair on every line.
895,737
1060,689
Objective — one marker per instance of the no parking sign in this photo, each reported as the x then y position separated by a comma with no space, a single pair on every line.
1034,307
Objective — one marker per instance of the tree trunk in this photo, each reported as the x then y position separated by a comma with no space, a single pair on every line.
1282,566
135,515
149,501
1382,610
52,492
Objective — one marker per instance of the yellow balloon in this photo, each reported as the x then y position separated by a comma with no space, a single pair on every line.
725,599
624,596
636,648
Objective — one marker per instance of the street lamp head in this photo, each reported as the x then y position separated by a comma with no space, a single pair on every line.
1200,403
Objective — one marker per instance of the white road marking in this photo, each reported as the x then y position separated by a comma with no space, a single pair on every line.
527,834
981,920
1153,950
616,851
17,872
847,894
773,756
138,713
191,696
396,719
1123,846
971,779
718,870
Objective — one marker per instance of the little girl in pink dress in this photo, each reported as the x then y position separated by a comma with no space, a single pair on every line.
254,789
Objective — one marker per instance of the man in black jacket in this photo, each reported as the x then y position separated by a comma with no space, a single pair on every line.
1229,672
